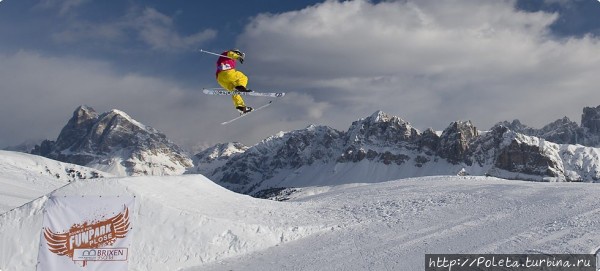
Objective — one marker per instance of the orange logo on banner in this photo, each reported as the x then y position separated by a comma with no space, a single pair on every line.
88,235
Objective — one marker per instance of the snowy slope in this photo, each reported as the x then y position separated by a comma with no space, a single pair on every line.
189,223
391,225
180,221
24,177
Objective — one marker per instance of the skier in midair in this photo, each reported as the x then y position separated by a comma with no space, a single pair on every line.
231,79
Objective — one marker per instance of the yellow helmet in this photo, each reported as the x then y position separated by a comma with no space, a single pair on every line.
240,54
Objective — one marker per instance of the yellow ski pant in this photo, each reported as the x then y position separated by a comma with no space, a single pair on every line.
230,79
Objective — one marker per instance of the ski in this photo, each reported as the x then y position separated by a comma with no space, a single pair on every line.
245,114
252,93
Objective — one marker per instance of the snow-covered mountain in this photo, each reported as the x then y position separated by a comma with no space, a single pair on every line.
216,156
24,177
378,148
116,143
565,131
189,223
382,147
508,154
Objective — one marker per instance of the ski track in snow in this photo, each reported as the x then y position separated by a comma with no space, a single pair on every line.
390,226
188,223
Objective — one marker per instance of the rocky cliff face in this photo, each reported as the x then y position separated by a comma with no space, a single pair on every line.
115,143
591,119
380,138
507,154
590,122
522,157
455,140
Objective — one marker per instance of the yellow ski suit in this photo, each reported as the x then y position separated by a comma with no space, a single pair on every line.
229,78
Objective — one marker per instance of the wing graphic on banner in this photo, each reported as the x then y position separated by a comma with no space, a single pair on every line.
121,223
57,242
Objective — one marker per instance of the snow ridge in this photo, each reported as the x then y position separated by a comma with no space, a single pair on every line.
24,177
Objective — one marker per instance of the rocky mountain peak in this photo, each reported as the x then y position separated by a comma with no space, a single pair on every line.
78,126
84,113
115,142
301,146
562,131
379,116
382,128
565,131
382,117
221,151
123,118
454,141
517,126
216,156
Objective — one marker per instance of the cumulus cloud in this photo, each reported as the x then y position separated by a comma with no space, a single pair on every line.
157,30
63,6
429,61
149,26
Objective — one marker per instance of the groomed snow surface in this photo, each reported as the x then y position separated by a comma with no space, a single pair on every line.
188,223
24,177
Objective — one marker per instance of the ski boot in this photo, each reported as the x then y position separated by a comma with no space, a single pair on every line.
244,109
242,89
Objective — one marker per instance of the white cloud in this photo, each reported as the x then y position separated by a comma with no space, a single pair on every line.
63,6
157,30
429,61
150,26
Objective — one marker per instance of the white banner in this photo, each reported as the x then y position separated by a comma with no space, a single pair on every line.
86,233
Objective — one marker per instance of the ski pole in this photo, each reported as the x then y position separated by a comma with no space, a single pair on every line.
211,53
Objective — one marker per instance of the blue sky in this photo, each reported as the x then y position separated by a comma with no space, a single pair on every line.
429,62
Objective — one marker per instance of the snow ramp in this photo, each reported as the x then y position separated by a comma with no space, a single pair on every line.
24,177
178,222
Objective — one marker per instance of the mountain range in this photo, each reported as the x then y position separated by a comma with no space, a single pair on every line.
373,149
382,147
